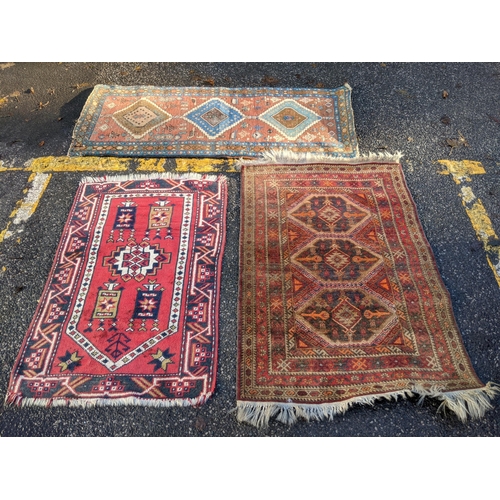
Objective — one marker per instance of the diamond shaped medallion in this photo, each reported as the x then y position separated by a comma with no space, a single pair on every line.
141,117
290,118
214,117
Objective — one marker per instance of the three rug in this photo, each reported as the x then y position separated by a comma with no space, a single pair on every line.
214,121
340,298
129,314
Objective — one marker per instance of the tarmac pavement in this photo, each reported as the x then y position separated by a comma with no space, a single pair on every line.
428,111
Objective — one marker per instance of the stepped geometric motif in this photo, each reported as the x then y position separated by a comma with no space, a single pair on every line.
214,122
141,117
290,118
214,117
340,299
123,327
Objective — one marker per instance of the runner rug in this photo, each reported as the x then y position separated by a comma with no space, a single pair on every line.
129,314
340,297
214,121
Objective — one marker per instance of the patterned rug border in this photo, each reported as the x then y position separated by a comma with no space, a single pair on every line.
466,404
344,144
15,399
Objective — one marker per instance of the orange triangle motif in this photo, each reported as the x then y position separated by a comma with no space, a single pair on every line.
297,285
384,284
301,344
399,340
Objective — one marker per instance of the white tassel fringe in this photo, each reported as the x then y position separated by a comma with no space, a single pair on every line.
153,176
471,403
94,402
285,157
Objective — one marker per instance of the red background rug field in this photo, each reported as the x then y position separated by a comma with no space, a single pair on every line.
130,311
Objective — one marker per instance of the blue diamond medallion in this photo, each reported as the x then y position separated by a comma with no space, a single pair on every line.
290,118
214,117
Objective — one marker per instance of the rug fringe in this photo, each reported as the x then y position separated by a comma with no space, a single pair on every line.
152,176
471,403
14,399
283,156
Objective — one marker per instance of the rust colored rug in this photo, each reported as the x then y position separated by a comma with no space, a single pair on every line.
340,299
214,121
129,314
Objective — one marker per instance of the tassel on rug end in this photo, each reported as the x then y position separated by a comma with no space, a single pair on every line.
467,404
284,156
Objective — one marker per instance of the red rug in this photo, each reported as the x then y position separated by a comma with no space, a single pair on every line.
340,298
214,121
129,314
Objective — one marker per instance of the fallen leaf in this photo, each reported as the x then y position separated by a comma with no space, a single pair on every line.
320,85
405,93
410,139
209,81
60,118
79,86
445,119
445,94
31,90
6,65
383,65
455,143
200,423
269,80
41,143
51,91
42,105
137,68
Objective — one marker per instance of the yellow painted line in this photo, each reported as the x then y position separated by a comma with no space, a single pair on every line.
203,165
474,208
94,164
461,170
483,227
151,165
26,207
79,164
7,169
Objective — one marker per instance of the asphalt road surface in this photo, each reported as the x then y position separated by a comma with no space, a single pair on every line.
428,111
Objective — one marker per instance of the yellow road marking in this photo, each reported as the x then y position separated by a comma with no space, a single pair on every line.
152,165
94,163
79,164
461,170
474,208
26,207
202,165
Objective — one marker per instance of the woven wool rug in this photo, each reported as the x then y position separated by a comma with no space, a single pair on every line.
129,314
340,297
214,121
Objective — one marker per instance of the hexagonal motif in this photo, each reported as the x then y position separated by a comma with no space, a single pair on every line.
336,260
345,316
330,214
